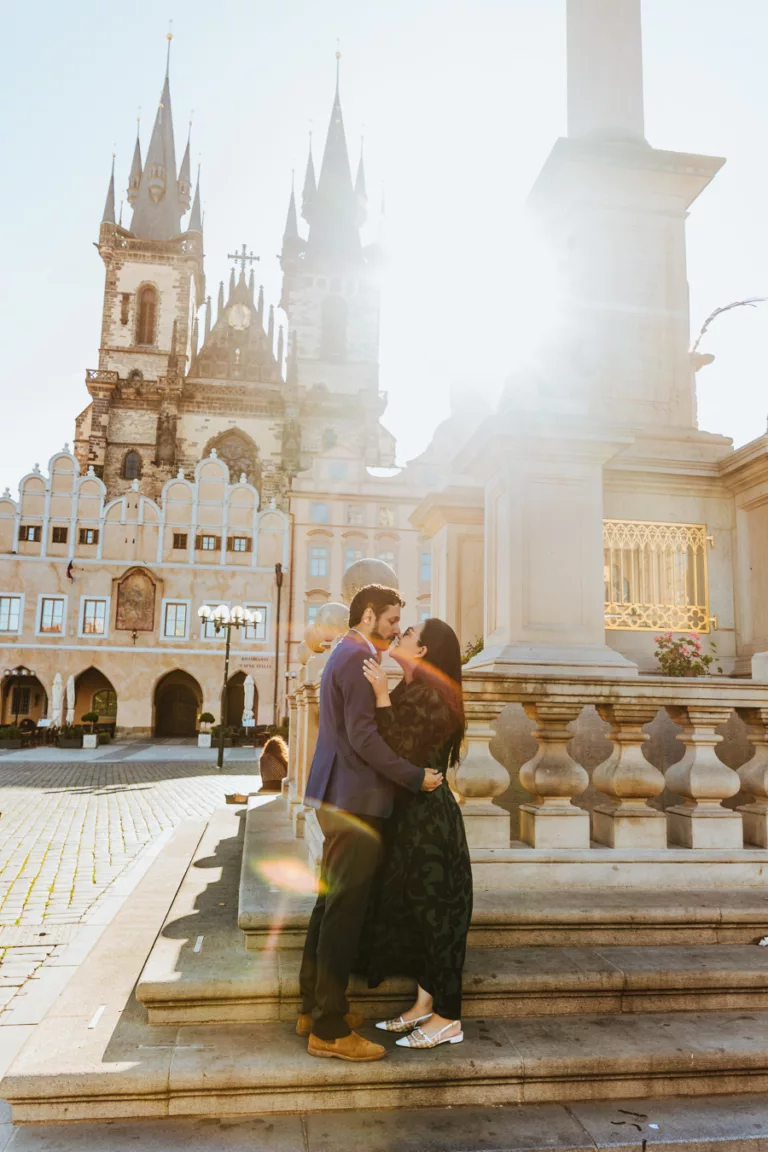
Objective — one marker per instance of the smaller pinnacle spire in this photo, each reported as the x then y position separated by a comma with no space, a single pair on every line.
310,186
280,347
134,180
185,178
260,305
220,310
196,217
109,205
291,224
251,289
207,317
361,195
271,327
232,286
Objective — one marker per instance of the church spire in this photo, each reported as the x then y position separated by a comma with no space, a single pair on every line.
184,185
196,216
333,231
157,211
109,205
309,191
361,195
134,180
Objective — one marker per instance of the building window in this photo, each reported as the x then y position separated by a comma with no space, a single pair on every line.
318,561
388,557
329,438
10,612
52,615
656,576
89,535
319,513
338,470
423,615
333,322
20,696
386,516
94,617
239,544
105,702
59,535
351,556
180,540
208,628
426,567
125,303
257,630
207,543
355,514
312,611
145,332
131,466
30,532
175,621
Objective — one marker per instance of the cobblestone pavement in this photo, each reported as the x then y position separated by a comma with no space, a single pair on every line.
68,831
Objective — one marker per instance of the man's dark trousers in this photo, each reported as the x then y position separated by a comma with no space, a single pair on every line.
351,854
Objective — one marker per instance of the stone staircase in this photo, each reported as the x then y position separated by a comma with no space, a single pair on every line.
570,995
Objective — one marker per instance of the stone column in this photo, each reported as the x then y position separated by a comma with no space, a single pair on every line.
630,781
605,69
703,781
554,778
297,794
289,784
479,778
754,778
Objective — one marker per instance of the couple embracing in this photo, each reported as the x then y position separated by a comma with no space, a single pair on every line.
395,883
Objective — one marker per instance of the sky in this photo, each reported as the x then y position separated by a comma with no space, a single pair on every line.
459,105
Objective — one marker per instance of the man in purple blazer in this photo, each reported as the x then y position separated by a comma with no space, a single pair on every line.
351,783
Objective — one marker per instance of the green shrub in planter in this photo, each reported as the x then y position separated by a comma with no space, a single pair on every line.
206,718
91,718
10,736
105,738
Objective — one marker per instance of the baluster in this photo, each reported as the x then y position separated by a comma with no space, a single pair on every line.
754,778
289,783
554,778
478,778
703,781
297,795
630,780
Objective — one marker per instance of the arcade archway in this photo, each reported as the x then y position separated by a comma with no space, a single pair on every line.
177,704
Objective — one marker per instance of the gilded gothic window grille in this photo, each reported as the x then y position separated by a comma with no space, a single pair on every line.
656,576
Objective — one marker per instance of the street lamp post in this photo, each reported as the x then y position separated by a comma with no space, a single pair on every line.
225,620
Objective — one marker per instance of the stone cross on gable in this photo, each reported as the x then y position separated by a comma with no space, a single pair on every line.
242,258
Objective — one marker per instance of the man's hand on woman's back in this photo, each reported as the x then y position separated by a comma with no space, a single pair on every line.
432,780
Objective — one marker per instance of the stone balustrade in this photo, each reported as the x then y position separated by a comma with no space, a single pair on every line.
627,780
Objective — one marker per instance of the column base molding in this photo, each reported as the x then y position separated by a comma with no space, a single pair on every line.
704,828
619,826
551,826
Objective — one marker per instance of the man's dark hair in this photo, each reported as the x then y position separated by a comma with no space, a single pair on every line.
374,596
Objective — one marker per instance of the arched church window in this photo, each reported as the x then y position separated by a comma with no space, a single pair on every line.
145,333
131,466
334,328
329,438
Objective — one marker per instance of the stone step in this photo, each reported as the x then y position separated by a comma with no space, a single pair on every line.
276,898
675,1124
120,1067
199,972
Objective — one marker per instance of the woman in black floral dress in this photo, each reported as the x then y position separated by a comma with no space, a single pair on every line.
422,907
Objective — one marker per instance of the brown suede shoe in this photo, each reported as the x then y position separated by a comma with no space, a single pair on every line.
353,1047
304,1022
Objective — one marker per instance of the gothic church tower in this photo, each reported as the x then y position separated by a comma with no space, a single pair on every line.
153,288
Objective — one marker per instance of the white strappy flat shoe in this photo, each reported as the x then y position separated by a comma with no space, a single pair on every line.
401,1025
419,1038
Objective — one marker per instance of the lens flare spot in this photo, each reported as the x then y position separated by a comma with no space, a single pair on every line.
288,875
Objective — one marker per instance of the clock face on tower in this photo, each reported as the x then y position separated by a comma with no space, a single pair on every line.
239,317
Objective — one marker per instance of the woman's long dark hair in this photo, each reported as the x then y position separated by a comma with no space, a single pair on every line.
441,667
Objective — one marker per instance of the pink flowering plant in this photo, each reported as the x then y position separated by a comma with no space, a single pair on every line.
683,656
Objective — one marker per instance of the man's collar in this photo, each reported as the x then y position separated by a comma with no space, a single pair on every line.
366,641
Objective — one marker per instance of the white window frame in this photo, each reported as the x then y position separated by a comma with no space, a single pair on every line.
244,632
20,597
164,603
425,552
355,515
317,605
25,528
351,548
244,549
214,638
181,547
39,616
386,508
88,543
207,536
320,504
83,635
325,559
